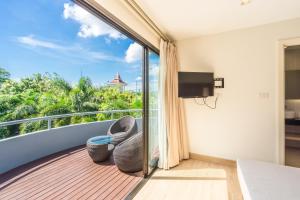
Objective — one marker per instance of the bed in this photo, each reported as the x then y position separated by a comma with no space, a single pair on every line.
268,181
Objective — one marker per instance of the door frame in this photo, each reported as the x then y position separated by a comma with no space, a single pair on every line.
280,108
145,110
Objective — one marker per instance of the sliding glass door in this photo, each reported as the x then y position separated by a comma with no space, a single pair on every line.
136,53
153,79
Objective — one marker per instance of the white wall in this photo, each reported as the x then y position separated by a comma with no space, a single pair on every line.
244,123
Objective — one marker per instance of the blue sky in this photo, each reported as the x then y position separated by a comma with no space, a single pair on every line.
59,36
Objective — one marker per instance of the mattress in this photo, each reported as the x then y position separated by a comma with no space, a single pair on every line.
268,181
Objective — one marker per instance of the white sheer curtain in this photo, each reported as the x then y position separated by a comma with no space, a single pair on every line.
173,143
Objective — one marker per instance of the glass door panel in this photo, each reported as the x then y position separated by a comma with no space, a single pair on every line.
153,77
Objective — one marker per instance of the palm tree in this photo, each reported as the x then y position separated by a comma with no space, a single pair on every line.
50,94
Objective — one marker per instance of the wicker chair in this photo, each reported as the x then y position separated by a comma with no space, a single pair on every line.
122,129
128,155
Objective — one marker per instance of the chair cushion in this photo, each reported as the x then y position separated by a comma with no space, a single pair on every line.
103,139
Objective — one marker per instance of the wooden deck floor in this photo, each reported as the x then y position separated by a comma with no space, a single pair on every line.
67,175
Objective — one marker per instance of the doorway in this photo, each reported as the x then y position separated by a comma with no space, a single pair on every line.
292,105
288,101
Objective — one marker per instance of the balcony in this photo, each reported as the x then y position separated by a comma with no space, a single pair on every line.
54,163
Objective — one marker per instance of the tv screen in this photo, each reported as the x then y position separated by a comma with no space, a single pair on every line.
195,84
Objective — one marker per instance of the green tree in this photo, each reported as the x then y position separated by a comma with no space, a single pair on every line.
4,75
49,94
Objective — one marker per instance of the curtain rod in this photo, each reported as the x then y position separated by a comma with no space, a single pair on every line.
136,8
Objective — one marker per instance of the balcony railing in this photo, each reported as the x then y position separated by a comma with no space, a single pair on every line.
23,148
49,119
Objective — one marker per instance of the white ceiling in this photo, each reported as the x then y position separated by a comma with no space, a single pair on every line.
191,18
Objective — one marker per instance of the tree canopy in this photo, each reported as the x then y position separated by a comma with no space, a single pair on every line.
4,75
49,94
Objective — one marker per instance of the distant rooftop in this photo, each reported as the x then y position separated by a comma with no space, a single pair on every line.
118,80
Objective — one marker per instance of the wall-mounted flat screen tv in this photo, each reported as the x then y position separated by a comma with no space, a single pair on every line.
195,84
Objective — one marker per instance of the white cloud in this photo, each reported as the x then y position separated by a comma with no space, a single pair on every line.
66,51
31,41
133,53
154,70
102,56
139,78
90,26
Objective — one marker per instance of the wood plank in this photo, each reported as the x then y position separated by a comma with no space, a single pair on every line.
36,178
37,167
29,180
36,185
113,193
93,194
53,186
125,191
78,185
105,191
99,188
67,175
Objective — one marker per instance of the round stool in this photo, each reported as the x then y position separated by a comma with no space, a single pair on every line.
98,150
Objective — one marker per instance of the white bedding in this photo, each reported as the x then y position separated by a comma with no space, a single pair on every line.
268,181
